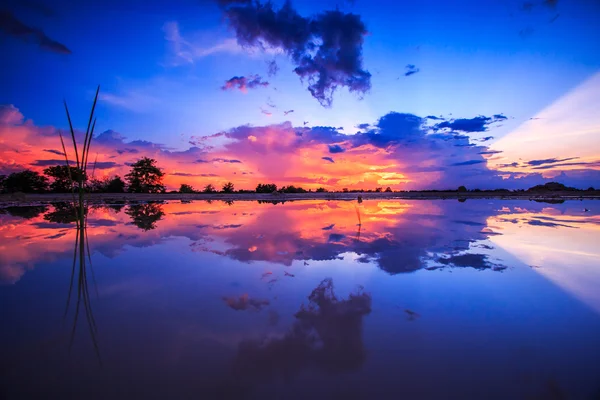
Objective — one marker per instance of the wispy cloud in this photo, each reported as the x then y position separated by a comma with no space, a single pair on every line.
11,26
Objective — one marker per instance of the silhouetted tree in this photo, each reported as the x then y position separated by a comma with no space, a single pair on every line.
292,189
107,185
145,216
2,179
388,189
145,177
378,190
61,180
591,189
115,185
266,188
228,188
26,181
462,189
186,189
321,190
209,189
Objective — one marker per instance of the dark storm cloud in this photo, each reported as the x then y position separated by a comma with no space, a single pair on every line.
328,159
549,161
469,125
244,83
326,48
363,126
11,26
411,69
336,148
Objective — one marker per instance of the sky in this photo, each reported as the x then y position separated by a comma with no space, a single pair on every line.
334,94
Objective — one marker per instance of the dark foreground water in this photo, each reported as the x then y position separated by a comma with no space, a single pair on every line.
484,299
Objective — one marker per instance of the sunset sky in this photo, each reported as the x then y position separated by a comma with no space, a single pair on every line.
338,94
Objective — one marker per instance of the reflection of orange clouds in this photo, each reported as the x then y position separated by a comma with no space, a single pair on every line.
272,232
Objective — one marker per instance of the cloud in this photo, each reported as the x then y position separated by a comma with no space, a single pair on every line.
12,26
411,69
399,150
593,164
272,68
287,112
325,48
193,175
469,125
336,148
490,152
468,162
185,51
244,83
549,161
58,153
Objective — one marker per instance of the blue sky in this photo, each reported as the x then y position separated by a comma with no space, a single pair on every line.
161,67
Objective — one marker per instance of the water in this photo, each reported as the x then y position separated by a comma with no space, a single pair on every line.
384,299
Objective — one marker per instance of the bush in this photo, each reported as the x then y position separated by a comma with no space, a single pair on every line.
266,188
186,189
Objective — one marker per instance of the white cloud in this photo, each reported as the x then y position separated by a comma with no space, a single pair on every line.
187,50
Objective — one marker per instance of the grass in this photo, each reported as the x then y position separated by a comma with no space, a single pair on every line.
81,248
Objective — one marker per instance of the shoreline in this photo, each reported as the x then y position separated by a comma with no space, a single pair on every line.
7,200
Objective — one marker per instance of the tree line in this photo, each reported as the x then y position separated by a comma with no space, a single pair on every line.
144,177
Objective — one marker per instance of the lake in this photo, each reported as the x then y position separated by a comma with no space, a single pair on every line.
494,299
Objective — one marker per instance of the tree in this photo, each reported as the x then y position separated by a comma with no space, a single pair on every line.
61,179
115,185
321,190
388,189
2,179
345,190
591,189
209,189
186,189
26,181
145,177
378,190
266,188
228,188
462,189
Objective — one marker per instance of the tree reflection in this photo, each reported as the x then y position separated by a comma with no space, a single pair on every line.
327,334
63,213
24,212
145,216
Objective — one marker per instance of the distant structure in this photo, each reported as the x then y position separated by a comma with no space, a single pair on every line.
360,199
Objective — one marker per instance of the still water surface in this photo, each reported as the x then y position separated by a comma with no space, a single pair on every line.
312,299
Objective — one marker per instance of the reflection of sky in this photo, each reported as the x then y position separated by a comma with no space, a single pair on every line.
165,328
